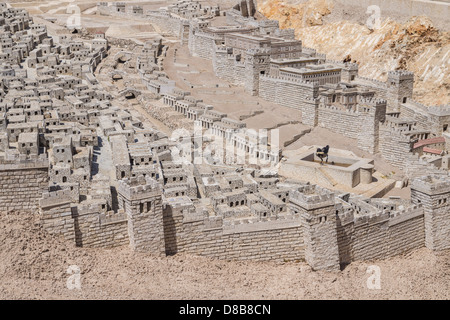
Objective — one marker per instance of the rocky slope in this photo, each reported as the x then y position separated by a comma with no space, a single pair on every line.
415,45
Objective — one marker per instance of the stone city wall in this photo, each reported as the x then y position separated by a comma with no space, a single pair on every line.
263,240
94,228
226,67
379,236
284,92
22,185
201,44
394,145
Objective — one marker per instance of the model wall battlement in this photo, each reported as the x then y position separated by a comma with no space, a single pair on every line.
308,84
372,215
55,198
415,208
311,197
254,224
400,75
208,35
346,214
442,110
112,217
373,101
190,214
253,219
380,84
96,207
331,107
136,187
397,130
259,51
21,161
313,100
432,184
371,218
419,105
362,206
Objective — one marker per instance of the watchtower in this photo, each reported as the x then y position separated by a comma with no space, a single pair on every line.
318,218
140,198
399,87
257,63
433,192
349,72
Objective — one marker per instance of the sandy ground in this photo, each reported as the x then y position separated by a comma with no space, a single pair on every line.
33,265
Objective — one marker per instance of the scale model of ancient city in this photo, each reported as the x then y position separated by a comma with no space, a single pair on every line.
187,142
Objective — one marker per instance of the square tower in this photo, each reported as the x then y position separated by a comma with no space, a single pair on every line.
433,192
318,218
257,63
140,198
400,85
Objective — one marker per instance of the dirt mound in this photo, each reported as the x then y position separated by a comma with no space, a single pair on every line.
33,265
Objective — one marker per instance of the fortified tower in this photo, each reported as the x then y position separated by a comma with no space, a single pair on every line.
257,63
140,198
373,111
349,72
433,192
318,218
399,87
